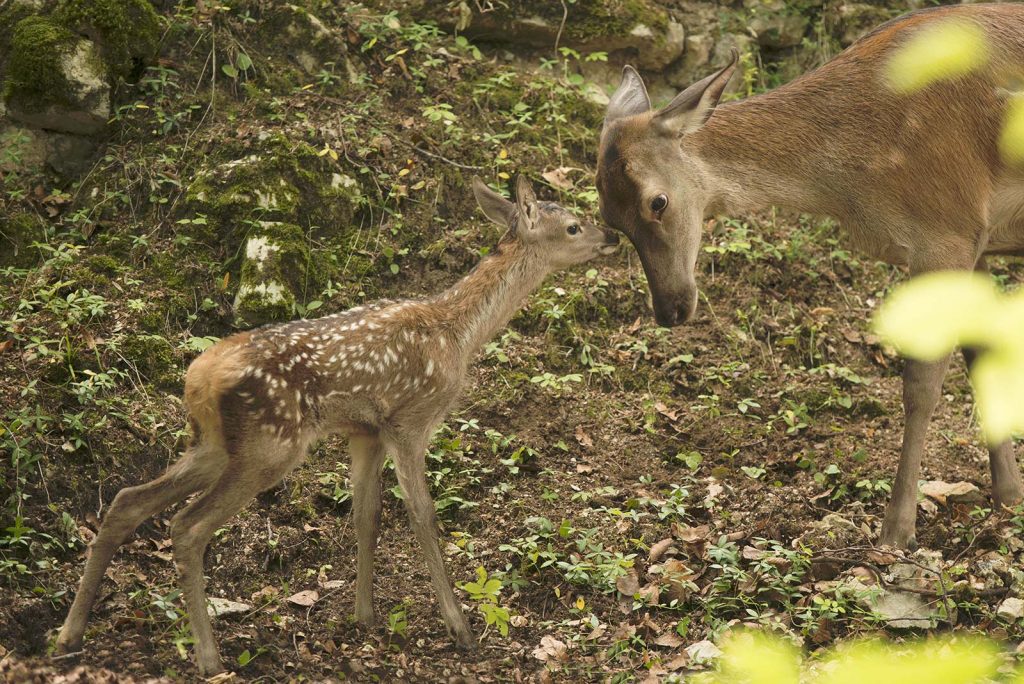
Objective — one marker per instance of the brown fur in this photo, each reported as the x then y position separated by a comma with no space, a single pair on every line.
914,179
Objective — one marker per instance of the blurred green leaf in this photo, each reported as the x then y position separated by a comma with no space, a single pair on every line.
933,313
1011,142
944,50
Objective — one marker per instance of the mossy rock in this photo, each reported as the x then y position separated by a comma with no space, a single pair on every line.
282,182
35,70
55,80
127,31
16,240
155,358
640,28
299,36
274,270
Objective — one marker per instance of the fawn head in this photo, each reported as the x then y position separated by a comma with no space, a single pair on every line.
655,191
553,232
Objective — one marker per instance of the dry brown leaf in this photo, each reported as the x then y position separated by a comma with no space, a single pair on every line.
669,640
583,438
558,178
550,649
658,549
305,598
628,585
671,414
679,662
691,534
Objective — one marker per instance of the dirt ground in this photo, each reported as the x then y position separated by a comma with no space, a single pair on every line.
636,490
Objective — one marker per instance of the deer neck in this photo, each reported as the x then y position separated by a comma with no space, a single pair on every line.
755,154
484,301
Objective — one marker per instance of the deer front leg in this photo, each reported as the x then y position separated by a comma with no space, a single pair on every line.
410,467
922,385
367,458
1007,488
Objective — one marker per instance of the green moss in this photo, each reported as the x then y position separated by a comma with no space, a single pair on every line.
275,268
34,74
103,264
10,16
127,31
613,17
155,358
16,240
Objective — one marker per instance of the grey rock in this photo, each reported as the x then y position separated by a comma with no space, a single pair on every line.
1011,609
222,607
70,155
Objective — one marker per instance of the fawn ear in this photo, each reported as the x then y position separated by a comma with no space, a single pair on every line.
694,106
526,202
494,206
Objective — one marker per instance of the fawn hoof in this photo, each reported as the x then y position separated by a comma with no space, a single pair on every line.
901,539
65,647
1005,499
465,640
210,669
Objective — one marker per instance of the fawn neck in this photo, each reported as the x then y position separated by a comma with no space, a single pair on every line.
486,299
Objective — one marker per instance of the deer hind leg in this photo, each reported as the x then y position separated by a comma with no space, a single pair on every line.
410,466
367,458
257,467
1007,488
196,470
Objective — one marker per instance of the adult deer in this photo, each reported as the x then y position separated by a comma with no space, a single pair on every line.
385,375
914,179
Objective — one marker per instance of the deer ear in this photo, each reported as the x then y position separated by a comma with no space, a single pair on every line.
691,109
494,206
526,202
629,99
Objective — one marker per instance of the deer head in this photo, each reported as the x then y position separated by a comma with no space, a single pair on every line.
551,231
655,190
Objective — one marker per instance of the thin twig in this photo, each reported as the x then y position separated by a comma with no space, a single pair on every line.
561,26
434,155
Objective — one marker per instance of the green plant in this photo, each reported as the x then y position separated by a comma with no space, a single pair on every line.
486,592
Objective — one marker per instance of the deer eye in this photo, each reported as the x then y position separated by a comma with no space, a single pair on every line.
658,205
573,229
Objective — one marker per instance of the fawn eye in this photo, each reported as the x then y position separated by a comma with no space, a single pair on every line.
658,205
573,229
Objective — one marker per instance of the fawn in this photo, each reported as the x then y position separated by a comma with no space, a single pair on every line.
385,374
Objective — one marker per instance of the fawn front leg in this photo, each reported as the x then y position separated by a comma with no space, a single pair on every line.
367,458
410,466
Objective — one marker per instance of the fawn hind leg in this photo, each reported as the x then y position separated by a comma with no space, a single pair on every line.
195,524
367,458
196,469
